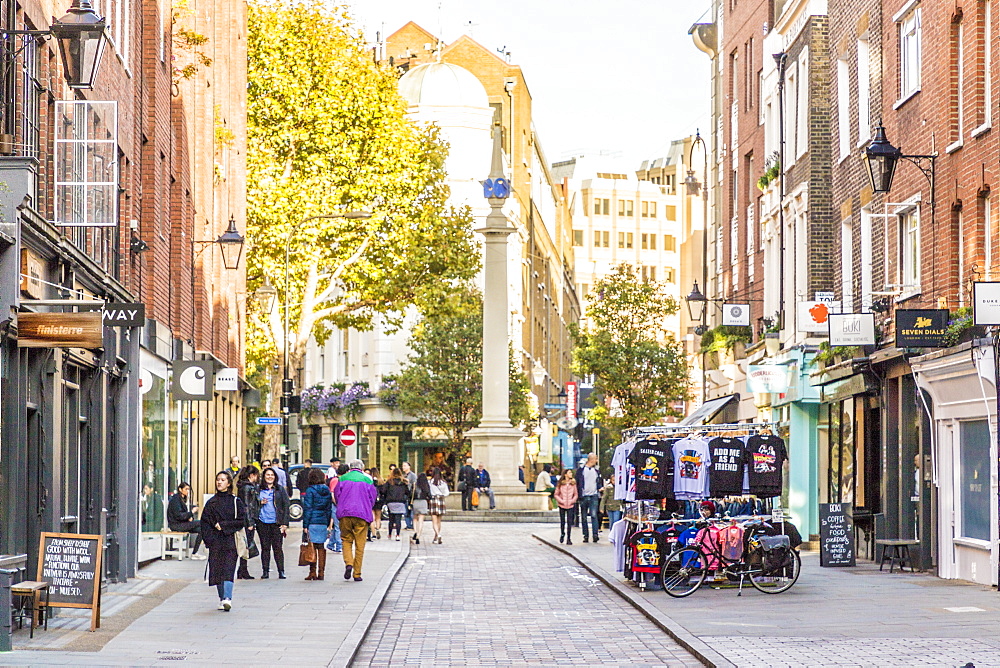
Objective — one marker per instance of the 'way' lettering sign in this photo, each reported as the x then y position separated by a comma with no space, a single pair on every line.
124,315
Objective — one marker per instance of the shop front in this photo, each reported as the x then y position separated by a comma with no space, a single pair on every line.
960,397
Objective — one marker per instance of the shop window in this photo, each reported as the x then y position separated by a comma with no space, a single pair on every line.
974,495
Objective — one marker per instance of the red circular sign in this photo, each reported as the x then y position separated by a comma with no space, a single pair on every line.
348,437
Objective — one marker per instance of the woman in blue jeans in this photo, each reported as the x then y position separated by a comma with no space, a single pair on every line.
222,517
317,518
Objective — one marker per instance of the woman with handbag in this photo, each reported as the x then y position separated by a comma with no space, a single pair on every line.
249,493
439,491
272,522
317,518
222,519
376,527
421,497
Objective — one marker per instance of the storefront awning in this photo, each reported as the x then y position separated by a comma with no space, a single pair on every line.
708,410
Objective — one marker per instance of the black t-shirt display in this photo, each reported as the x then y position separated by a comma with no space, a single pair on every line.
654,469
765,456
647,550
727,466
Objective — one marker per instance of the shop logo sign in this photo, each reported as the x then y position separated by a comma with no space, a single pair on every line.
192,381
60,330
921,328
736,315
986,303
852,329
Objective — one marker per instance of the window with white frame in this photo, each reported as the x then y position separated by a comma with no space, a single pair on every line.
909,53
847,265
791,107
802,120
866,259
909,246
974,476
864,90
844,106
959,94
987,60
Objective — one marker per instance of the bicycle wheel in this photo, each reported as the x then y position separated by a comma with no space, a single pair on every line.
683,571
781,579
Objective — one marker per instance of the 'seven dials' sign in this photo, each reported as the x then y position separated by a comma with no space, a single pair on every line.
59,330
921,328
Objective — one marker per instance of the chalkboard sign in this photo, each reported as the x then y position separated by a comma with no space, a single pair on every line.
71,564
836,535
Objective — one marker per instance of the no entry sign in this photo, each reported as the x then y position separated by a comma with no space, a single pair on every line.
348,437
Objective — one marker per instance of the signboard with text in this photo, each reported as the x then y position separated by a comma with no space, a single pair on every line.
763,378
921,328
71,564
814,316
60,330
852,329
736,315
571,399
836,535
986,303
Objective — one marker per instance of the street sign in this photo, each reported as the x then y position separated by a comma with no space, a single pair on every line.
348,437
269,420
571,399
555,407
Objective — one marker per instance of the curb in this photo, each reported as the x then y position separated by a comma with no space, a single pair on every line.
352,643
700,649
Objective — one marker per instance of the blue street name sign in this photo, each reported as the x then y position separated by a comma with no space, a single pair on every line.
555,406
269,420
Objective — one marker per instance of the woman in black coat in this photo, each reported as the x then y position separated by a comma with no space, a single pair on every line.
222,517
249,493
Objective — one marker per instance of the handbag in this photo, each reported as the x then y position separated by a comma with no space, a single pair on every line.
307,554
461,485
242,548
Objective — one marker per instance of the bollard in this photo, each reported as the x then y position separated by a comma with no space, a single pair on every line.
6,623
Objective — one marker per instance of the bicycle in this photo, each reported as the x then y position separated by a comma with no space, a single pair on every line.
686,567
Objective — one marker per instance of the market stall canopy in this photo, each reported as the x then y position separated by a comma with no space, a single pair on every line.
708,410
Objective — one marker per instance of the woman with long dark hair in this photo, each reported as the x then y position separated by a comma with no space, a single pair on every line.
272,522
379,503
317,518
439,491
223,516
248,491
421,497
396,494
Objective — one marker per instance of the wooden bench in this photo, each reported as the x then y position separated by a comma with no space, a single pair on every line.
174,544
28,604
900,553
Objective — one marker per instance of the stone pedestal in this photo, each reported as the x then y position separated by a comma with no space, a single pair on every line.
497,448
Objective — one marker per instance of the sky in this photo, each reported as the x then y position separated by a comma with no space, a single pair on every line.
622,78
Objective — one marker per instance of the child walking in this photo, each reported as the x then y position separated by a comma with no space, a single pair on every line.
567,495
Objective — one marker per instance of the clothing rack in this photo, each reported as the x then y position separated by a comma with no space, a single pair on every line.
674,428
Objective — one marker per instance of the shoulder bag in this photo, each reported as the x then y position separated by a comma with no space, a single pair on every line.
246,547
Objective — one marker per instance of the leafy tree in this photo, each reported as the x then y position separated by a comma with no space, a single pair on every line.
327,134
635,361
442,382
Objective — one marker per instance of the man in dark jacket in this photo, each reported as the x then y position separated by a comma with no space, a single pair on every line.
181,518
483,487
302,481
467,479
588,484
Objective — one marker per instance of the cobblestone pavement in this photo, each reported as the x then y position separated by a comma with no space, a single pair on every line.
492,595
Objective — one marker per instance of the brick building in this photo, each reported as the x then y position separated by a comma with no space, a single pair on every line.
93,440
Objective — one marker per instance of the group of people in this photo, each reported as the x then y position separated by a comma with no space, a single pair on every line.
583,496
342,510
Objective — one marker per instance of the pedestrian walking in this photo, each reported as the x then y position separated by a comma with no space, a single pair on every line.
610,506
302,479
396,494
272,523
411,483
223,516
439,492
181,517
421,497
566,496
282,475
317,517
467,479
249,493
375,530
234,466
334,543
356,496
588,483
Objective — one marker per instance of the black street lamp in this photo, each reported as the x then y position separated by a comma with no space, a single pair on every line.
231,244
881,159
81,35
696,302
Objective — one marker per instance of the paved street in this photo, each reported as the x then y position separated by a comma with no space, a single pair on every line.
831,617
492,595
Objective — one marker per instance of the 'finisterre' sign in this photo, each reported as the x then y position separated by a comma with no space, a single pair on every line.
60,330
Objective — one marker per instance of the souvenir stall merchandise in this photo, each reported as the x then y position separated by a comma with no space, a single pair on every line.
667,473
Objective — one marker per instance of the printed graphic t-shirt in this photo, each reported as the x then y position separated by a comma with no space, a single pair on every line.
727,466
648,547
765,457
654,469
691,462
624,472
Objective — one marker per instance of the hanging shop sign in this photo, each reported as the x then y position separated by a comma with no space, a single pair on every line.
192,381
736,315
118,314
764,378
227,380
572,394
814,316
852,329
60,330
921,328
986,303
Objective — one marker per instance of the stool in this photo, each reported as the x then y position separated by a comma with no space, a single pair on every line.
174,544
900,553
28,597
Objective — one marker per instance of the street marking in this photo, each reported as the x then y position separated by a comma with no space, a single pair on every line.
575,573
967,608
